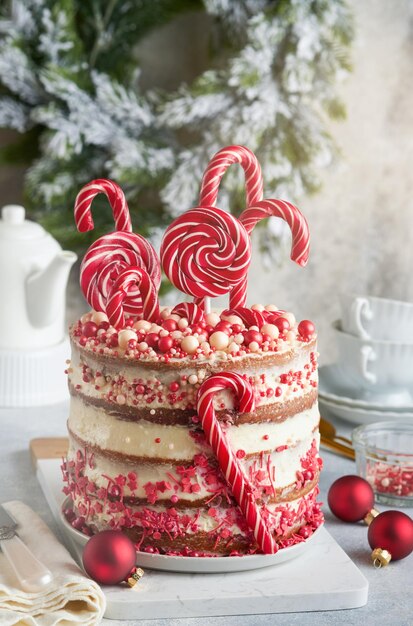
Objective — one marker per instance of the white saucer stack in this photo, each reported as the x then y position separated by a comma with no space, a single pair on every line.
373,377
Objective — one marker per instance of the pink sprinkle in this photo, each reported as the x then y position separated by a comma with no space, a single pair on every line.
266,437
174,498
240,454
158,440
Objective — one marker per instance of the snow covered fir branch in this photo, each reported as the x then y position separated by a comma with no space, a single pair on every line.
70,85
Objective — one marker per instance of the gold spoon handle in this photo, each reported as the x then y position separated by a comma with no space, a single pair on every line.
338,448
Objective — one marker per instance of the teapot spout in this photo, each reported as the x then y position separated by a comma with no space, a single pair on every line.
45,290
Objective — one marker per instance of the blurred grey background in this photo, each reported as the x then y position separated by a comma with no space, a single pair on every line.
361,222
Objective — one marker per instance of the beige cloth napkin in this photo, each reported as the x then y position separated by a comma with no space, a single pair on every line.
71,598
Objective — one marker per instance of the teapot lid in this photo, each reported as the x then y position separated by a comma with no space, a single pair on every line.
13,224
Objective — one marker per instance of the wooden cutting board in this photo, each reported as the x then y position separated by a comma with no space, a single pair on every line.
48,448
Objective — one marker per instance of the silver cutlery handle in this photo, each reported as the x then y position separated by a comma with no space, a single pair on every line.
32,575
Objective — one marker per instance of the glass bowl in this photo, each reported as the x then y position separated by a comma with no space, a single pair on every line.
384,457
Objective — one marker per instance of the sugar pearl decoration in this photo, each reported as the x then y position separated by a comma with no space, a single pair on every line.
233,319
142,325
219,340
254,346
189,344
86,318
183,323
258,307
98,317
290,336
212,319
271,330
271,307
233,347
291,319
124,336
193,379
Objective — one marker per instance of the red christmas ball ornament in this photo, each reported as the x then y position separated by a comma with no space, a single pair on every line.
109,557
390,536
306,329
165,343
89,329
351,498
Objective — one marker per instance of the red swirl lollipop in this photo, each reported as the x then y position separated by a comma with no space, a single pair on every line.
241,487
206,252
219,164
124,288
117,200
108,257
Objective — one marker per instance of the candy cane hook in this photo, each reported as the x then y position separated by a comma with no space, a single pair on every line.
117,200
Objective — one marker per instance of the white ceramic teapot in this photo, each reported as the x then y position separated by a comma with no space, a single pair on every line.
33,346
33,275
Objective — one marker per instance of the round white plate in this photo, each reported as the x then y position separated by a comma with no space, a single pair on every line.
333,387
358,415
202,565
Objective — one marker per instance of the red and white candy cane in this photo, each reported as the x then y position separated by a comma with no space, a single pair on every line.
241,487
206,252
129,280
117,200
250,317
219,164
291,214
190,310
108,257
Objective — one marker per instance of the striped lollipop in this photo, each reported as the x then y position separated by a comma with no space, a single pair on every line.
108,257
206,252
241,487
127,282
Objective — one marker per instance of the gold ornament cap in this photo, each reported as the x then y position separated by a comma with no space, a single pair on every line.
371,515
380,557
135,576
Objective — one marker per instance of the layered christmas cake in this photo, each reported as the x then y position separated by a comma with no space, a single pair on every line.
194,432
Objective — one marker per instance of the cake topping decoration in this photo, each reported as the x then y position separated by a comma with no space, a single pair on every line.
126,284
117,200
206,252
229,462
217,167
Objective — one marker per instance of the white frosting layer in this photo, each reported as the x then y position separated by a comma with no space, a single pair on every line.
147,439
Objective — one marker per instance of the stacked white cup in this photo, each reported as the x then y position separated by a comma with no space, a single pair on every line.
375,344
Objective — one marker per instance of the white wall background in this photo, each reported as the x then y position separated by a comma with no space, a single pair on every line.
361,223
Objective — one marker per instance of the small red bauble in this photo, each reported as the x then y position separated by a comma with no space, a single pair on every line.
282,324
306,329
89,329
165,343
109,557
392,531
350,498
224,327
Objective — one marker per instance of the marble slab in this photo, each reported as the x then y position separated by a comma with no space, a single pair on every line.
323,578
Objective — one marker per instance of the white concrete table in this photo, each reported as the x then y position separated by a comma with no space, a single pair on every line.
391,589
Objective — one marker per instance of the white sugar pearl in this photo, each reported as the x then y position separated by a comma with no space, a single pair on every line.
165,313
193,379
233,319
189,344
271,307
291,319
142,325
183,323
219,340
86,318
212,319
290,336
142,346
271,330
239,338
98,317
174,317
206,347
254,346
257,307
176,334
125,336
233,347
155,329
